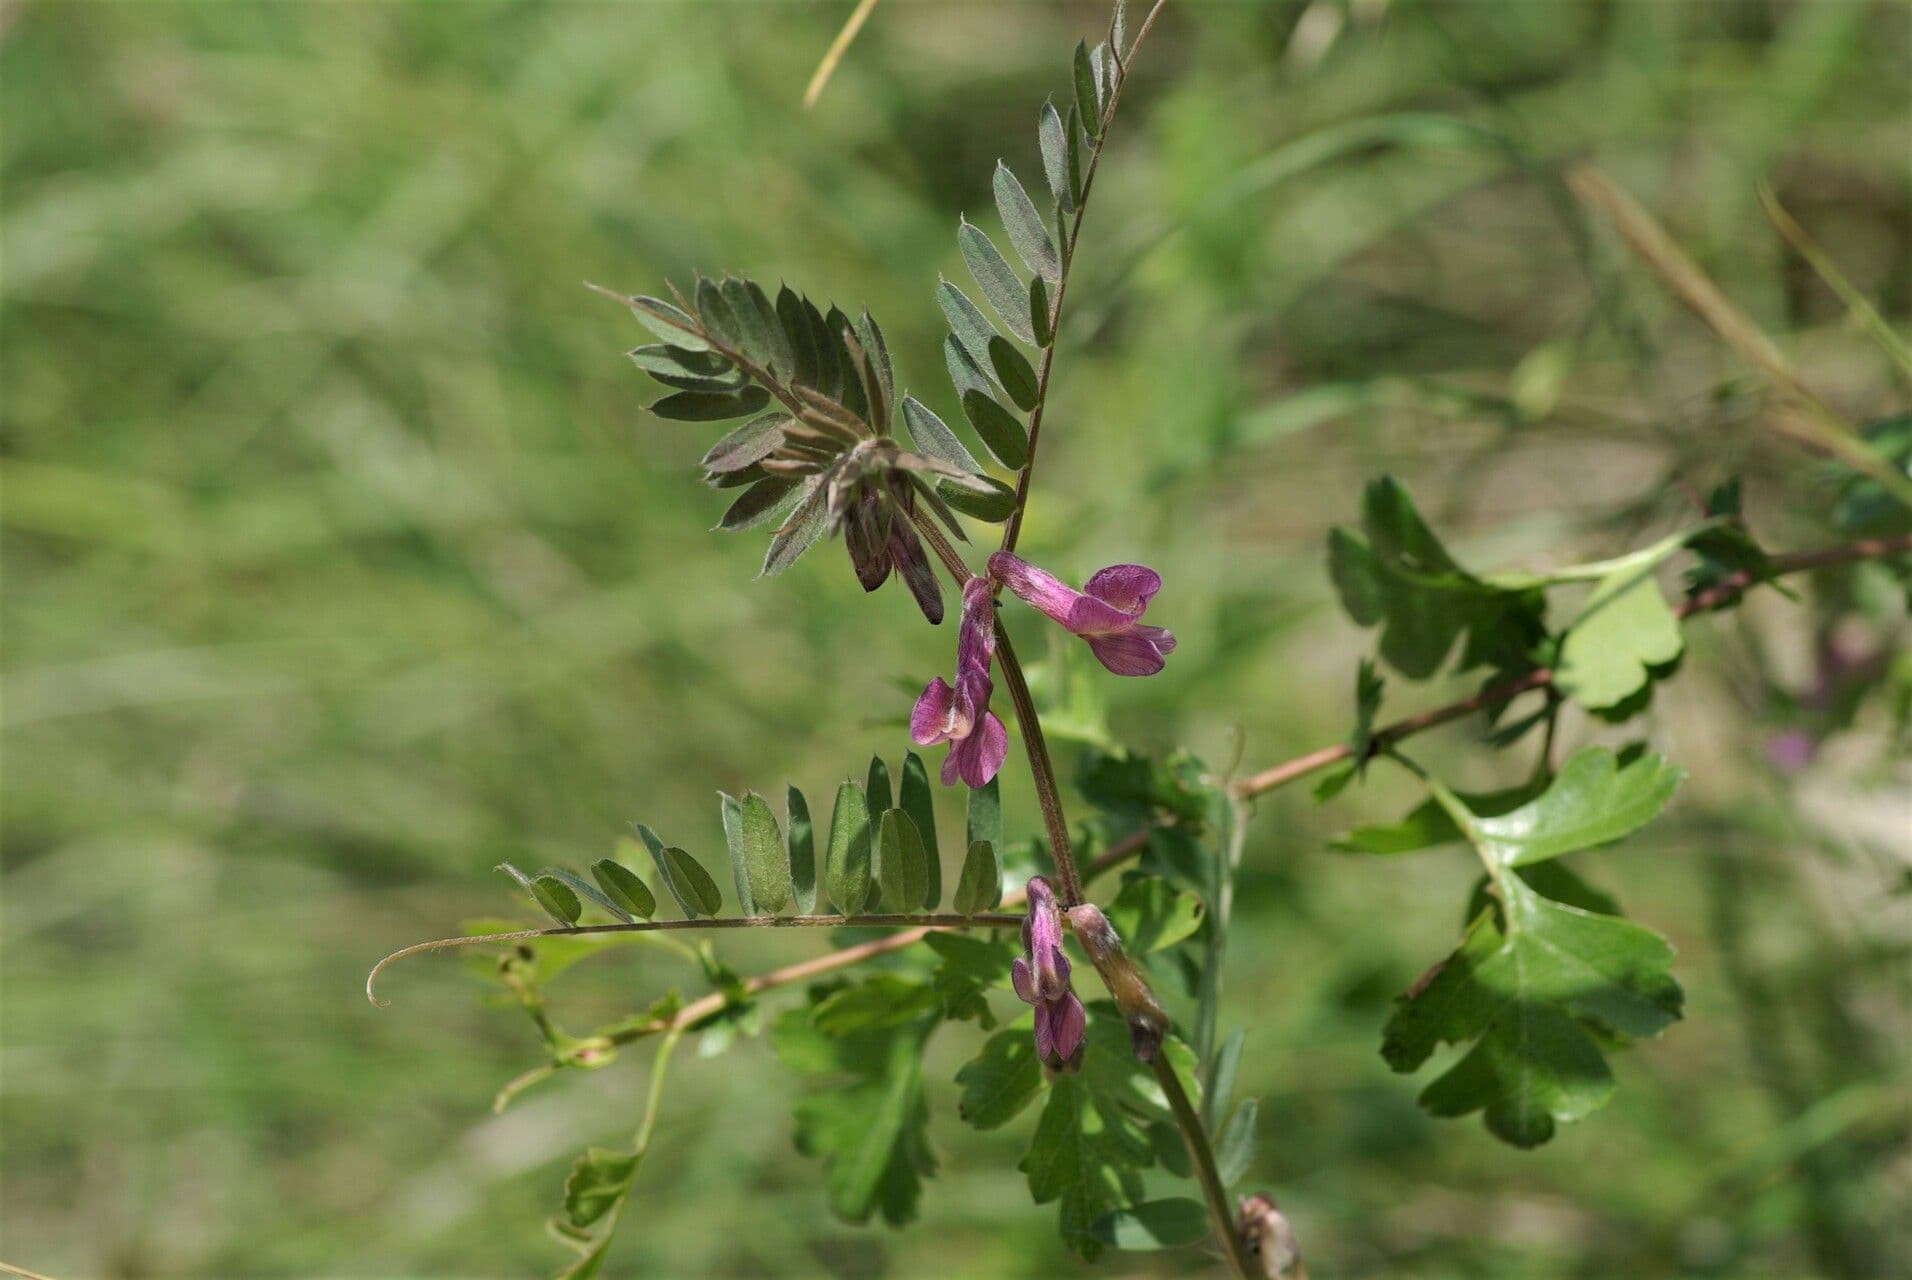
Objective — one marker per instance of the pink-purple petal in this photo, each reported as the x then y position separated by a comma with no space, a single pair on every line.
1041,590
1128,653
1129,587
939,715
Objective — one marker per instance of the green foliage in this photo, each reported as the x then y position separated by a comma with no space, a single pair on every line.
902,869
1530,970
846,868
623,886
1151,915
914,798
1395,574
1154,1224
1625,630
871,1128
979,887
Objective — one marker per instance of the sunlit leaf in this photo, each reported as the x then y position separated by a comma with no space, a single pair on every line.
979,887
1149,914
902,866
1002,1080
846,868
766,862
1013,373
1625,629
1154,1224
803,850
914,797
999,429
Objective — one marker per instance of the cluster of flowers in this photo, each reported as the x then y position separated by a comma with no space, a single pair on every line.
1107,613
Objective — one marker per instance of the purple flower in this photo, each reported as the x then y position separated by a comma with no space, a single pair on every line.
1105,612
1041,978
960,715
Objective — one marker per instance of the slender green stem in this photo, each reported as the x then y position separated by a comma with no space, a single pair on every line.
927,922
1221,1211
1041,769
1012,530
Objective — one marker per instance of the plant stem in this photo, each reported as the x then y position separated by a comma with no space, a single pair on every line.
1013,528
1221,1210
1041,769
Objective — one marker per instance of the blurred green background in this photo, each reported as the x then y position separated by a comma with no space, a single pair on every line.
341,563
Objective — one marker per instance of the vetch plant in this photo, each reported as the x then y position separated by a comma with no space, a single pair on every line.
1137,1135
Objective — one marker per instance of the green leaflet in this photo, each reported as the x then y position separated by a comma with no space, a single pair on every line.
1055,157
711,406
731,810
902,865
622,885
1005,436
915,798
1001,287
752,442
846,868
798,533
1013,373
766,863
983,818
979,888
550,893
1027,229
967,324
803,850
934,439
669,323
1235,1148
876,785
688,883
1625,629
1088,108
1395,574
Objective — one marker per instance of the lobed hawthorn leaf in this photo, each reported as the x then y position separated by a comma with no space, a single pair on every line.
998,1083
1001,287
846,868
881,1000
711,406
871,1130
915,798
1624,631
622,885
765,859
1593,801
1529,972
1154,1224
979,888
1235,1148
1055,157
1026,228
1396,574
1013,373
803,850
902,866
1151,915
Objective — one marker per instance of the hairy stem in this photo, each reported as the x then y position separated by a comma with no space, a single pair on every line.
1221,1211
